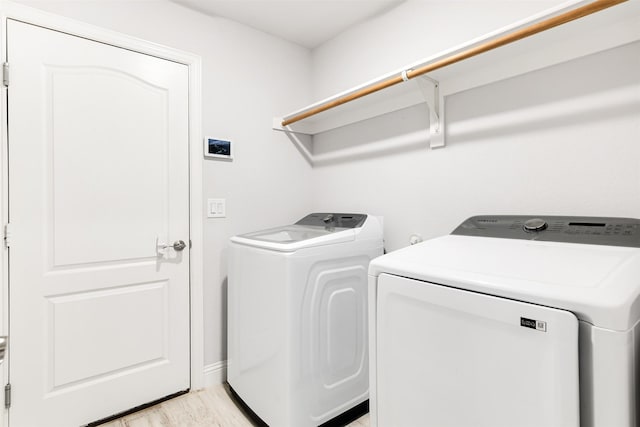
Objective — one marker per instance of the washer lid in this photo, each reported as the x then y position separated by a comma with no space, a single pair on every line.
315,229
600,284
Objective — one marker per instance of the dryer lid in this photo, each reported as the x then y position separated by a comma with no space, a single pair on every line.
599,283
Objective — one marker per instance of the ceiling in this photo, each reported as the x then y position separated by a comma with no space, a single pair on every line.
308,23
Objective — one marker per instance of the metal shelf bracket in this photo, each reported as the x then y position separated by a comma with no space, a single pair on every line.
432,93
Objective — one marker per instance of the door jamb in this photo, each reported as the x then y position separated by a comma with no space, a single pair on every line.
194,63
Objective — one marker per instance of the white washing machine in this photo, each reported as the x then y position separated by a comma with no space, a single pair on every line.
510,321
297,318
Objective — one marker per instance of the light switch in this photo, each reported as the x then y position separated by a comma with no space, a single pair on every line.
216,208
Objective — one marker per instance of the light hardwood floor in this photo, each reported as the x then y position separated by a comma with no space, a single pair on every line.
211,407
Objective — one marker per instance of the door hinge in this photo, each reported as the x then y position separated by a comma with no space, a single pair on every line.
7,235
7,396
5,74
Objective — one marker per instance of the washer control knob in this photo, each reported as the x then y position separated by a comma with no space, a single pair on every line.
535,224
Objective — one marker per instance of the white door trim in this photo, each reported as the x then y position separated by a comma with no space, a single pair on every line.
29,15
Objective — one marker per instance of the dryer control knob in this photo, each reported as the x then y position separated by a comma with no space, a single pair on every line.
535,224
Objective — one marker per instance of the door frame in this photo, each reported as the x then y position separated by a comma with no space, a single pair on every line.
194,63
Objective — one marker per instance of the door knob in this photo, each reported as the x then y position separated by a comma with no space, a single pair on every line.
178,246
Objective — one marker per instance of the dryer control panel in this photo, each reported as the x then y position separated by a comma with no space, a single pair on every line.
570,229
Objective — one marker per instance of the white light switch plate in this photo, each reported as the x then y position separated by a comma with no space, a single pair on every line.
216,208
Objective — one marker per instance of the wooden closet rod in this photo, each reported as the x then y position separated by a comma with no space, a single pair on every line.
539,27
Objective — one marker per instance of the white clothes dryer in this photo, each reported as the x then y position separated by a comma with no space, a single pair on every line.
510,321
297,318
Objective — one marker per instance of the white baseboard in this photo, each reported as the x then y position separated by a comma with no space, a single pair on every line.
215,374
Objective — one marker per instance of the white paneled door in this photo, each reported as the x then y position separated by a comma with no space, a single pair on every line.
98,186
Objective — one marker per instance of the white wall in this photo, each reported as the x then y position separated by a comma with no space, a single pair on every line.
562,140
248,78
